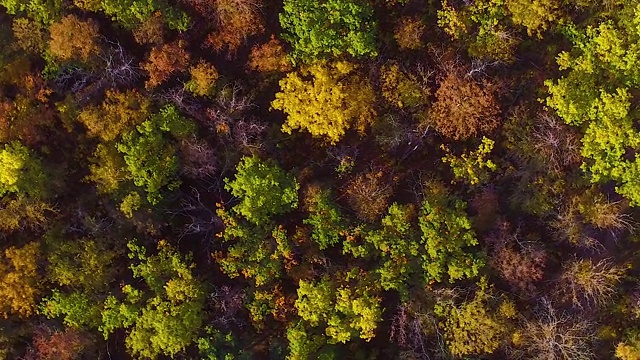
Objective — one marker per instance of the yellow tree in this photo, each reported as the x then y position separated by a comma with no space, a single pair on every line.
326,99
72,38
19,280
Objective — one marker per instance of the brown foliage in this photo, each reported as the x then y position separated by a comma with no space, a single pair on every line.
521,266
408,33
164,61
235,21
72,38
269,57
368,194
51,344
151,31
464,108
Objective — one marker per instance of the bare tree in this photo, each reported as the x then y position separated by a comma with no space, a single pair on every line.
199,158
227,302
558,144
554,335
586,283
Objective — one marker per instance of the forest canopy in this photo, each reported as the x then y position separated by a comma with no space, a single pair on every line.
319,179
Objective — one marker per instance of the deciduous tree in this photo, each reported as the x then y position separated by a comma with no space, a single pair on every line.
164,61
329,27
163,316
325,99
463,108
448,234
20,280
74,39
21,171
264,190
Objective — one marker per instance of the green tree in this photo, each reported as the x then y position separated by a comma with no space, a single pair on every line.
327,222
255,252
329,27
325,99
21,171
264,190
164,316
472,167
399,246
535,15
596,93
151,156
343,311
42,11
448,236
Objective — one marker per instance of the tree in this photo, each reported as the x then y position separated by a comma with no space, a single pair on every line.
448,235
325,99
81,264
24,213
235,20
53,344
399,246
269,57
164,61
586,283
164,316
471,167
481,26
151,31
133,13
369,195
255,252
21,171
329,27
41,11
345,312
20,280
203,79
464,109
264,190
470,328
555,335
151,156
536,15
402,89
327,222
408,33
30,35
120,112
107,169
596,92
74,39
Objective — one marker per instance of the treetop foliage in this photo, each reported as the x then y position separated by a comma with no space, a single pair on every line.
328,27
332,179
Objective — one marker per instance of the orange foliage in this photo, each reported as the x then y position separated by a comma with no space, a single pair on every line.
164,61
268,57
236,20
72,38
463,108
